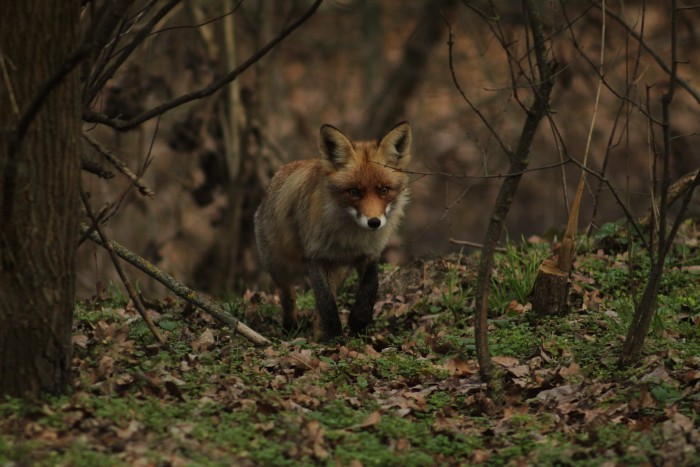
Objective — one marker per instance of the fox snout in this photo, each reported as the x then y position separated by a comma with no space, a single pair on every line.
371,223
374,223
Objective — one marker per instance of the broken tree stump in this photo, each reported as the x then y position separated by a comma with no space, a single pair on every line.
550,291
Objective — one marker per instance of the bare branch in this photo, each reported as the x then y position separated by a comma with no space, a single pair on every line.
123,125
96,169
107,25
645,309
119,165
500,249
98,82
518,164
492,130
671,71
181,290
618,199
125,280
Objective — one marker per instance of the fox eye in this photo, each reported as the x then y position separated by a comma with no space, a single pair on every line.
355,192
384,190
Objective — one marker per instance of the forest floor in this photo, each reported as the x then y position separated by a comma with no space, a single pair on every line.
407,393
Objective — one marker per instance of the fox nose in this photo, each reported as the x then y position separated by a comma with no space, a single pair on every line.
374,223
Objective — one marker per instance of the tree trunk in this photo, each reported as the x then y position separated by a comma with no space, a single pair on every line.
389,104
550,291
219,267
518,164
39,177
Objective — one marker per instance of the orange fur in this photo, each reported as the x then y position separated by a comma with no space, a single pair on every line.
322,216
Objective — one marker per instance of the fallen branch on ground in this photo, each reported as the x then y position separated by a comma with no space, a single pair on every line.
180,290
122,275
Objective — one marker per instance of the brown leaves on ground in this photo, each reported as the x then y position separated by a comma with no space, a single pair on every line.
316,404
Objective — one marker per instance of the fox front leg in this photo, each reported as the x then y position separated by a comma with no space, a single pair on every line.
329,325
289,308
365,297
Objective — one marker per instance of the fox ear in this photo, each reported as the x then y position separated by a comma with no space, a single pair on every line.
396,145
334,146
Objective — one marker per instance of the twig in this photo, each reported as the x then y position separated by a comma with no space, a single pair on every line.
107,244
671,71
644,311
500,249
123,125
618,199
96,169
98,82
119,165
181,290
623,102
675,191
568,244
484,120
518,163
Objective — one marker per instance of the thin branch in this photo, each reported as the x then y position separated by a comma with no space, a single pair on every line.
119,165
484,120
96,169
666,101
123,125
99,82
181,290
199,25
518,164
487,177
567,249
107,244
107,25
669,70
644,311
625,103
624,206
678,188
455,241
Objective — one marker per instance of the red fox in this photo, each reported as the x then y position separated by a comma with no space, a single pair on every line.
321,217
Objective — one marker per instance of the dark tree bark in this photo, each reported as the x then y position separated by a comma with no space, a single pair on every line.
39,179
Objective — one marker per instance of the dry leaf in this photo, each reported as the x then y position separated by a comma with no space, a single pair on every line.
129,430
458,367
80,340
105,367
505,361
573,369
560,393
371,420
316,436
204,342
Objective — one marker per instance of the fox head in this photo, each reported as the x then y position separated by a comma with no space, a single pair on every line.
367,177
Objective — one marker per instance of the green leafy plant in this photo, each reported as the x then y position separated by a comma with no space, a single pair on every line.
516,271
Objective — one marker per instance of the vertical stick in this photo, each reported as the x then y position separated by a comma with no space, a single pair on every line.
125,280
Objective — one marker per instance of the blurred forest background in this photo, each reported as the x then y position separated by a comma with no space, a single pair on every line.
362,66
